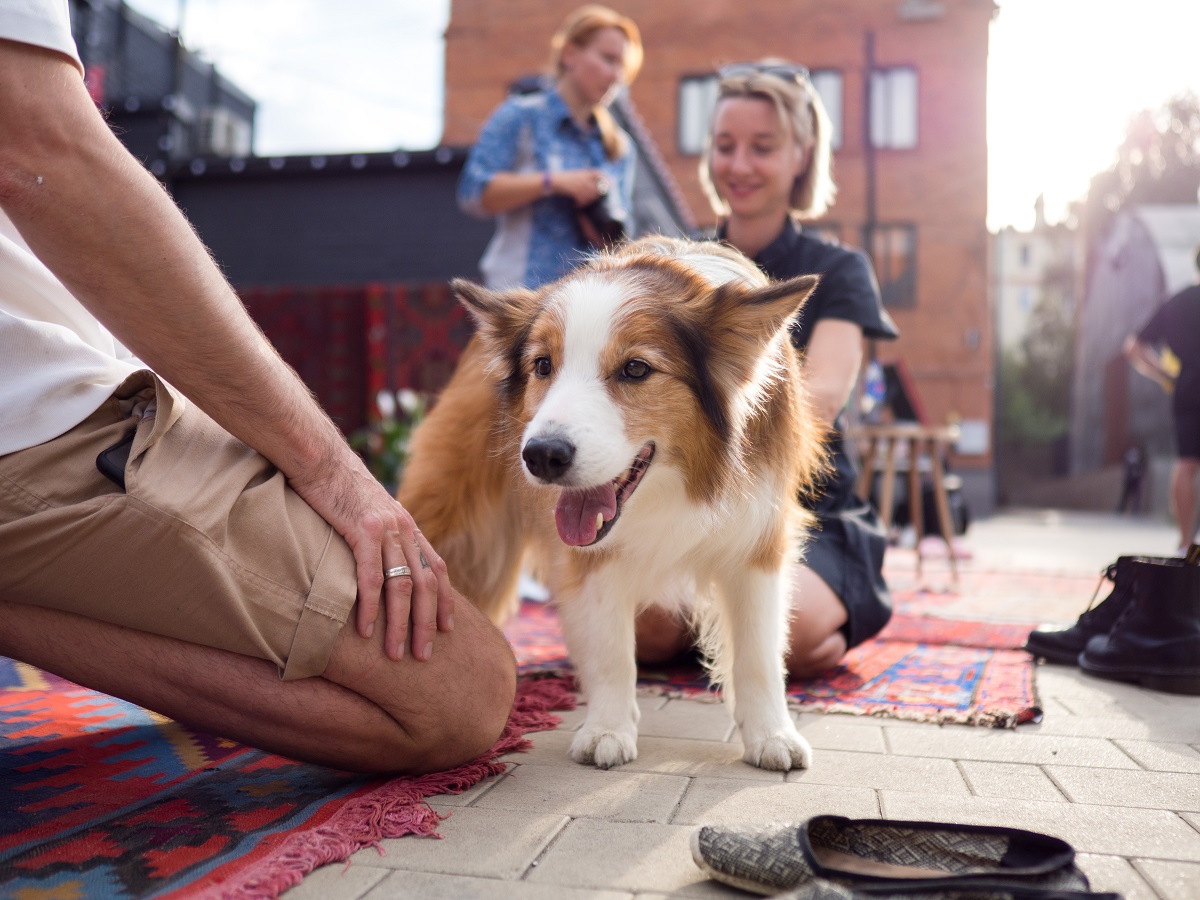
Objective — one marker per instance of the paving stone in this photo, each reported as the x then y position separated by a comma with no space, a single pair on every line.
1115,787
834,731
873,770
1177,880
591,853
472,844
1166,726
471,794
1111,873
677,756
1004,745
549,749
693,719
1090,829
337,880
426,886
1011,781
585,791
1163,757
727,801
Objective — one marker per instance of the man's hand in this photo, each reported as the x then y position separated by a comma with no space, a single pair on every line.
382,535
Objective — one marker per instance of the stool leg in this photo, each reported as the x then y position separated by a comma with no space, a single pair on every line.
867,476
887,492
943,505
916,508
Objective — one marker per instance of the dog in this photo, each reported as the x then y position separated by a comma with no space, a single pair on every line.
637,432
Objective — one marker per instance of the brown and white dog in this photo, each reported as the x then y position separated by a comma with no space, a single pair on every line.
637,431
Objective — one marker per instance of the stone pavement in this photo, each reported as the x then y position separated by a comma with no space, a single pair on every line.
1112,768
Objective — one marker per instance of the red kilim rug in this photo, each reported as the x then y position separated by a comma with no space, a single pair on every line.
920,667
100,798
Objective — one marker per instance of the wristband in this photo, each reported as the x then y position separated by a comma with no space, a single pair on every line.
547,190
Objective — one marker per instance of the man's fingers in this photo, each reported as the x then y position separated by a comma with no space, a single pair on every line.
398,595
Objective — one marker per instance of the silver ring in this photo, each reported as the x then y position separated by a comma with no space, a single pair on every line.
396,572
601,186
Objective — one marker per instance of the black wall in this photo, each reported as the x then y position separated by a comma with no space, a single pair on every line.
337,220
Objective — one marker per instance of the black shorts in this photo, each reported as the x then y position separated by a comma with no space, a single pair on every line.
1187,428
846,549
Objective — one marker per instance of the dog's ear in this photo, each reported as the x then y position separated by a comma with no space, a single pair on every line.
762,313
746,320
502,320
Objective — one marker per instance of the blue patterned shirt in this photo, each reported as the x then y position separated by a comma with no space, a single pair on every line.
534,132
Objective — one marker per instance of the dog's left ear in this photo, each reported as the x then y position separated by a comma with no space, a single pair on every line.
759,314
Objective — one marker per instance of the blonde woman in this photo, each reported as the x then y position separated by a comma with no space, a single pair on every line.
544,156
767,166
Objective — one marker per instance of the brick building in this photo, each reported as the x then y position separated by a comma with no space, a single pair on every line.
905,82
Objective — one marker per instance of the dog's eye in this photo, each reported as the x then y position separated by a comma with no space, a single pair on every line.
635,370
542,367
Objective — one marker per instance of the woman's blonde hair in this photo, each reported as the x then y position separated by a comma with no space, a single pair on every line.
800,111
578,29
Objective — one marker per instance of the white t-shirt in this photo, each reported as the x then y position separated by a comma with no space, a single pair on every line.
57,363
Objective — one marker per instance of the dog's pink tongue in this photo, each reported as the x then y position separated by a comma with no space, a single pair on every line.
575,515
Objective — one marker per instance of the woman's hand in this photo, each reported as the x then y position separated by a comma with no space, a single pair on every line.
581,185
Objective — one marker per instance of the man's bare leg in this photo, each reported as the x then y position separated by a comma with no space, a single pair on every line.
367,713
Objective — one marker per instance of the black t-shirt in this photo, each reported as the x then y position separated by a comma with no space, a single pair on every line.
848,291
1177,325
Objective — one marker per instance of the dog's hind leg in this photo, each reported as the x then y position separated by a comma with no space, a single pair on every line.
755,606
598,627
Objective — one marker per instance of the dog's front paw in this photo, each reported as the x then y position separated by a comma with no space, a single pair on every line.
782,750
603,747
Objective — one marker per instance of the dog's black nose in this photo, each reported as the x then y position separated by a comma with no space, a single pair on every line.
548,458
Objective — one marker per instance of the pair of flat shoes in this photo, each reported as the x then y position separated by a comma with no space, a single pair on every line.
835,858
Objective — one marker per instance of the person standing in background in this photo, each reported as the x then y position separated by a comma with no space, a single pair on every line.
1176,324
545,156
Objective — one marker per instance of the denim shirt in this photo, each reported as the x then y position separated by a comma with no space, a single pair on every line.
540,242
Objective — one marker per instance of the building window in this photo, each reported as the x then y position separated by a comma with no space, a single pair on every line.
828,83
894,108
893,251
698,95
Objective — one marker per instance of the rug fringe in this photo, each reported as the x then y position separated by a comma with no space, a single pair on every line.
396,808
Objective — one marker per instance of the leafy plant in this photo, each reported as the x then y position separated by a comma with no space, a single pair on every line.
383,443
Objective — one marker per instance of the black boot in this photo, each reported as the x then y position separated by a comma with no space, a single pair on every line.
1064,645
1156,643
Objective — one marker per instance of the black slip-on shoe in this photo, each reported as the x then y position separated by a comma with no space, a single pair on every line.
857,853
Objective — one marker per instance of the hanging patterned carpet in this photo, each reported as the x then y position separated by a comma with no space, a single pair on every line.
100,798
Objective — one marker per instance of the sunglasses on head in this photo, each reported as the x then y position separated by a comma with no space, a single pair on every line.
784,71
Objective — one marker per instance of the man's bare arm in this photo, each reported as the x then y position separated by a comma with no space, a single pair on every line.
113,237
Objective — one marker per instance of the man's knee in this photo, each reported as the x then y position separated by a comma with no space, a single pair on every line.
472,712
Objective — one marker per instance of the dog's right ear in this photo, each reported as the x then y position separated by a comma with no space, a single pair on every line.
502,318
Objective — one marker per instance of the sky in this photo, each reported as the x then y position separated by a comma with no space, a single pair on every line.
1064,77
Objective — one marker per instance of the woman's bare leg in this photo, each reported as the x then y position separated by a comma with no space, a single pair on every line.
815,643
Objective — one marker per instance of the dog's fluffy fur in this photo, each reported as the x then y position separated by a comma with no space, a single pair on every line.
653,390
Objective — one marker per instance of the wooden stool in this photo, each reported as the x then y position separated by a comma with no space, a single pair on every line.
919,439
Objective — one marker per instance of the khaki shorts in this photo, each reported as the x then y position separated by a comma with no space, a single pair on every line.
207,543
